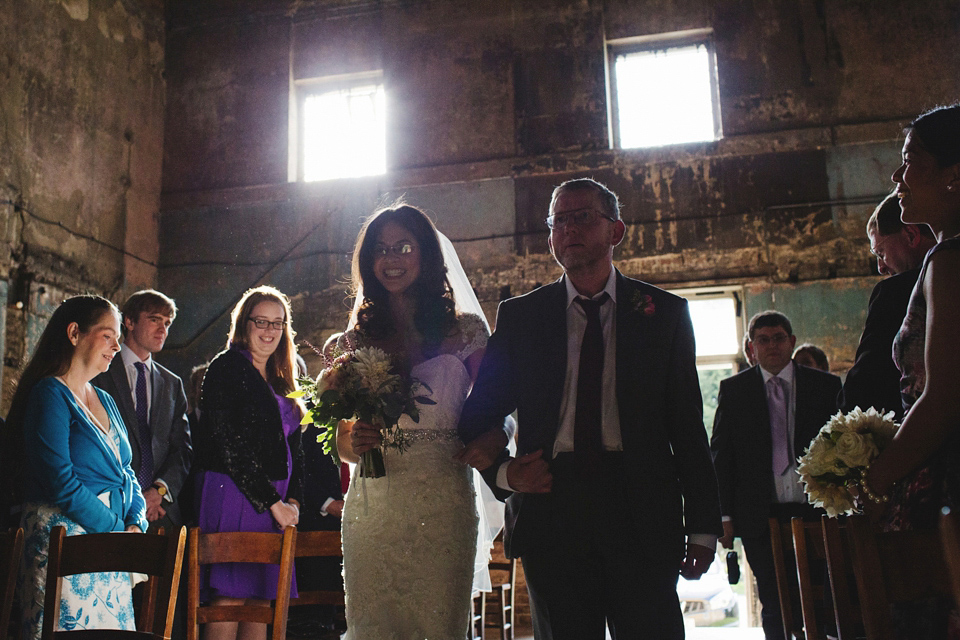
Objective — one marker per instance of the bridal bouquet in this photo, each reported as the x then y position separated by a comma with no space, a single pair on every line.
359,384
841,454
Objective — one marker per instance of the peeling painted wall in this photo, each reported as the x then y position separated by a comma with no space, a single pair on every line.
81,137
492,103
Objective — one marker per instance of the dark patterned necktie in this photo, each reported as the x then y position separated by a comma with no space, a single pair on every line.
587,441
145,472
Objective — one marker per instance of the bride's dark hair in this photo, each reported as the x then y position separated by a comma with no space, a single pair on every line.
435,311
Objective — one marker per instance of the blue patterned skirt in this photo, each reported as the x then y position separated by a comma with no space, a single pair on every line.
88,601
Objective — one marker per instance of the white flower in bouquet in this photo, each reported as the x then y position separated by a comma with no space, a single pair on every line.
840,454
373,367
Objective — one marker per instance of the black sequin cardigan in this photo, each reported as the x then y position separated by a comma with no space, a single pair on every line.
241,431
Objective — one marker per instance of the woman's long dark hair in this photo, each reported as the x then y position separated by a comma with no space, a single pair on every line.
282,364
51,358
435,314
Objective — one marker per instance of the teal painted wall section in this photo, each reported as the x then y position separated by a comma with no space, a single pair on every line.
828,313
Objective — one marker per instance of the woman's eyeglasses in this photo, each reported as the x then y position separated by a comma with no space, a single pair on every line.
263,323
399,249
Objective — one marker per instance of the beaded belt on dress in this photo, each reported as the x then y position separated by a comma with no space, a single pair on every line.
413,436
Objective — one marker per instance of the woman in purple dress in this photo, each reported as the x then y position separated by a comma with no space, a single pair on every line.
243,450
920,470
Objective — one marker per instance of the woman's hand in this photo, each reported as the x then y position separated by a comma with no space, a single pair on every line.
132,528
483,451
285,514
364,437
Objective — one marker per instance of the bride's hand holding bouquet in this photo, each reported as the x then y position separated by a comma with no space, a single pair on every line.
358,384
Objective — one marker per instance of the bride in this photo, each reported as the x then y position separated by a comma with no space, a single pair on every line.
410,537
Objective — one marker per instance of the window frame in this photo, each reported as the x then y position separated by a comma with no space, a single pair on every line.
300,90
735,292
656,42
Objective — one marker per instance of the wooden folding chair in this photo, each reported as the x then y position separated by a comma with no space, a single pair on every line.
815,605
781,539
950,533
846,602
264,548
894,567
11,546
318,544
500,601
158,556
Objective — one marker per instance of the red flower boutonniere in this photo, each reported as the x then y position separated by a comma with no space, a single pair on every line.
643,304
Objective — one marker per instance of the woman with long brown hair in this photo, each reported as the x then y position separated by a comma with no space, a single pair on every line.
243,451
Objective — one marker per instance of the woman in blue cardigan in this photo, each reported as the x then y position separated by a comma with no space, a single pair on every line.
76,464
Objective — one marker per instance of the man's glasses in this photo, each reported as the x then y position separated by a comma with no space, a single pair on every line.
778,339
399,249
263,323
581,218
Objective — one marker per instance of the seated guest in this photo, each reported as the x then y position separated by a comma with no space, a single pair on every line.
874,380
76,468
810,355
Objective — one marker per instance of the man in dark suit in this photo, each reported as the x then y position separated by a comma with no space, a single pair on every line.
874,380
612,493
766,417
153,405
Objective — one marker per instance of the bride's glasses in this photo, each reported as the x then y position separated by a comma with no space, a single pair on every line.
399,249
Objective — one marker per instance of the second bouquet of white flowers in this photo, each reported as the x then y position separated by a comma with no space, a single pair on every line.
360,384
840,454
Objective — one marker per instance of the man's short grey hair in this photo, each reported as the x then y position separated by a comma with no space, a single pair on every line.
611,204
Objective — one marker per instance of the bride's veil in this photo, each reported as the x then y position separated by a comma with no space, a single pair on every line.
489,509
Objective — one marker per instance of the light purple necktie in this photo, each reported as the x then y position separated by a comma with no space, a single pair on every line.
777,406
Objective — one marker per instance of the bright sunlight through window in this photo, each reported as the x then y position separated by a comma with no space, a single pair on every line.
344,133
664,96
715,326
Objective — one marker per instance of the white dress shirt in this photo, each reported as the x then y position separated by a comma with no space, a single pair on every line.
130,360
787,485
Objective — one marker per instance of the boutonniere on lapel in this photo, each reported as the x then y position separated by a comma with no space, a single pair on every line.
642,304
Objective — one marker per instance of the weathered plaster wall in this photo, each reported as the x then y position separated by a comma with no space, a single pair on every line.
81,120
493,102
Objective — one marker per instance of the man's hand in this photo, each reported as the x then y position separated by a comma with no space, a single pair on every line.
726,540
335,508
697,561
153,499
483,451
530,474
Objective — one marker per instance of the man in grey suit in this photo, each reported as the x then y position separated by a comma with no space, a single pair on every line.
153,405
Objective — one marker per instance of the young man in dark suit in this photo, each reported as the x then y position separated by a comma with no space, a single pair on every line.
874,380
153,405
766,417
612,494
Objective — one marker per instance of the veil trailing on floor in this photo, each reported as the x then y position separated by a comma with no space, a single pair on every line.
489,509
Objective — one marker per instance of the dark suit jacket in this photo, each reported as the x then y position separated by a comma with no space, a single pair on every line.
671,485
172,446
874,380
742,446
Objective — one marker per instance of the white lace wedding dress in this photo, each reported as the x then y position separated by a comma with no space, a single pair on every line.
409,538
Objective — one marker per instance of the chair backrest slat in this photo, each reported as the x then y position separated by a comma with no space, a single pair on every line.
157,555
318,544
264,548
950,532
